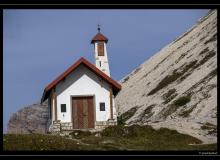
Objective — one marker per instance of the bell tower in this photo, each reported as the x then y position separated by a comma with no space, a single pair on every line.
101,57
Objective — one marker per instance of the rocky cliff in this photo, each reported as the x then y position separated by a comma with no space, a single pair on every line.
177,87
30,119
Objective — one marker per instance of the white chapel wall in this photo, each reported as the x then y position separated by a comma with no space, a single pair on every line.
82,82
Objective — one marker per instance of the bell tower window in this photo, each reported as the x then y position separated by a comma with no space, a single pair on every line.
100,49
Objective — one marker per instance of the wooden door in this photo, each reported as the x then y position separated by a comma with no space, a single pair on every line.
82,112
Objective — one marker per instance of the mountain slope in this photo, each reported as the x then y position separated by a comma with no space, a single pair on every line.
177,87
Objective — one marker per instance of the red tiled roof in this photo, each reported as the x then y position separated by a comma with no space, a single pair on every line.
115,85
99,37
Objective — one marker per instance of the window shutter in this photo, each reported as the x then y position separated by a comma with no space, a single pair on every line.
100,49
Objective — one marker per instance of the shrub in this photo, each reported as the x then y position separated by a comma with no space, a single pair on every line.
147,113
127,115
169,95
113,131
182,100
127,131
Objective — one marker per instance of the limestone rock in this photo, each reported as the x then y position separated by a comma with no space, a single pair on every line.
30,119
177,87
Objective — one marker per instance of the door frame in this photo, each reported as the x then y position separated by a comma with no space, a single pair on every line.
81,96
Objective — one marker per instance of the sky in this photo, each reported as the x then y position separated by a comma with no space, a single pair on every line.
38,45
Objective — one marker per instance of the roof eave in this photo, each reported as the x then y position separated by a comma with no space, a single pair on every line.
93,41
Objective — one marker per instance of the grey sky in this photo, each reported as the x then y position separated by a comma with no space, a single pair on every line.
38,45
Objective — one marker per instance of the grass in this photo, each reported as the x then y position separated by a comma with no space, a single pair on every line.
209,54
173,77
133,137
171,108
165,82
211,74
180,74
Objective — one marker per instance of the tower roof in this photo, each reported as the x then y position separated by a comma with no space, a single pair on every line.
99,37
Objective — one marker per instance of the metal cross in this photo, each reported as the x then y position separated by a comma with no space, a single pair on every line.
99,27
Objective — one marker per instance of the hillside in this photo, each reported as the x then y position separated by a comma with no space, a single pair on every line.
177,87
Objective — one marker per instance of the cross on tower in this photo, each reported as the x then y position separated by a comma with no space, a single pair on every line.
99,27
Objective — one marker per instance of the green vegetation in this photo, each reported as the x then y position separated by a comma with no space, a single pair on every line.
134,137
188,111
136,70
209,55
175,105
204,51
183,69
126,79
213,38
181,57
127,115
165,82
182,100
212,129
147,113
173,77
169,95
168,110
184,77
211,74
79,134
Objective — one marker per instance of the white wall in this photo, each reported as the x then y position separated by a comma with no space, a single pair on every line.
83,82
104,60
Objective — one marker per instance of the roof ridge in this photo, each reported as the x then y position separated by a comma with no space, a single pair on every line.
69,70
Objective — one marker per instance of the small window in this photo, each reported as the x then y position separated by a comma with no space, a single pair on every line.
102,106
63,107
100,63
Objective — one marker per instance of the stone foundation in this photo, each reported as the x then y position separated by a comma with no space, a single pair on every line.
58,127
103,124
55,127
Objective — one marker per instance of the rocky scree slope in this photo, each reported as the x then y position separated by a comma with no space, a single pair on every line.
30,119
177,87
